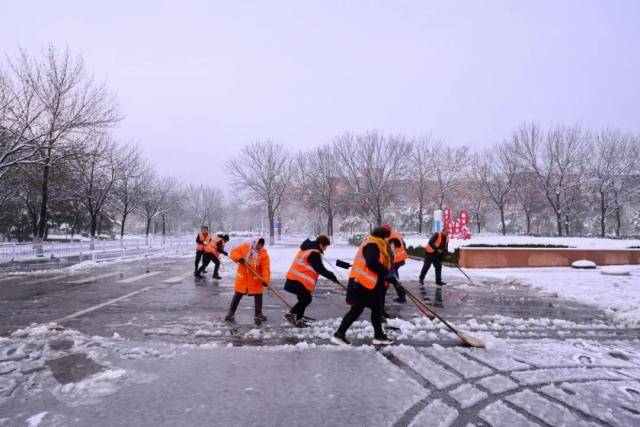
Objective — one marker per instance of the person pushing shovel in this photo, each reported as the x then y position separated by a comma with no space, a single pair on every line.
303,275
253,260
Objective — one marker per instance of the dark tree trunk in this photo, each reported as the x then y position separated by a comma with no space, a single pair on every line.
527,216
504,228
124,218
602,216
94,224
559,222
45,200
330,224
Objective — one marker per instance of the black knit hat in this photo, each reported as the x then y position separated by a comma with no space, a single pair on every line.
380,232
323,240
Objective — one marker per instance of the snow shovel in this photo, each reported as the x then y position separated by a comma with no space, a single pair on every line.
271,288
469,340
465,275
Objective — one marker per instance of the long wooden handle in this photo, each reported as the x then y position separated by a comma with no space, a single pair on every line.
264,282
429,309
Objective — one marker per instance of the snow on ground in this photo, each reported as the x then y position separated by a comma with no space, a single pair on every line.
495,239
618,296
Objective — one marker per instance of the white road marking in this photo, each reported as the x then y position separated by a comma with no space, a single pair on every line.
99,306
140,277
177,279
94,278
50,278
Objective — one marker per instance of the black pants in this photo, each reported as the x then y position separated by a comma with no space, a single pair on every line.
395,270
257,300
303,294
198,258
436,260
363,298
206,259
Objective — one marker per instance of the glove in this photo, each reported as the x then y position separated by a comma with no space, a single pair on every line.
224,253
331,276
242,261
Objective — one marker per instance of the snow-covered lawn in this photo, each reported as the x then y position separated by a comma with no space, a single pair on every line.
494,239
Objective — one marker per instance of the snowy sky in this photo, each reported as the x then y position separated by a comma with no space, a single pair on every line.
196,79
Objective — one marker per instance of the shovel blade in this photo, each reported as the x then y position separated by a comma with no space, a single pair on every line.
470,341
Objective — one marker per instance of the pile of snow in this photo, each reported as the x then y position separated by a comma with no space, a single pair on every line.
583,264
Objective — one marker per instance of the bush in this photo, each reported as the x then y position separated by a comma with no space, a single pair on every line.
450,258
357,239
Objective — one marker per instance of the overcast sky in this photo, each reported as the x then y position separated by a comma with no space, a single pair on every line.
197,79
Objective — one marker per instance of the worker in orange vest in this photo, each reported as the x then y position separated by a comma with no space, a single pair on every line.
303,275
435,251
202,239
250,256
212,251
399,249
369,272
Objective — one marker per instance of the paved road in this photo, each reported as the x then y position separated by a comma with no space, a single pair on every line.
559,355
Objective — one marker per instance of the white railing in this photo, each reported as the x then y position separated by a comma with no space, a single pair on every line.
23,251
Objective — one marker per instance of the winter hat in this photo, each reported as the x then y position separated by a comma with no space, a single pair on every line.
381,232
323,240
387,227
225,237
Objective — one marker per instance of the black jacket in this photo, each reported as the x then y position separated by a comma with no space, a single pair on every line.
443,244
315,259
371,254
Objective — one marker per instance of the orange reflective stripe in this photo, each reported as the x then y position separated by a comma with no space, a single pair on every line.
359,270
429,249
203,238
302,271
399,252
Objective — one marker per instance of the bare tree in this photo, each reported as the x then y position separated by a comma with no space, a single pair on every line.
96,170
421,177
497,169
262,171
528,195
204,205
155,200
134,178
317,180
72,103
613,160
447,166
19,111
472,193
555,159
372,165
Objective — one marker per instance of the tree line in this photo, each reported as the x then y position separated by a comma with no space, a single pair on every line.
62,171
563,180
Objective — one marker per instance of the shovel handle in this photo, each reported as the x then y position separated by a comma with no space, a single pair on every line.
264,282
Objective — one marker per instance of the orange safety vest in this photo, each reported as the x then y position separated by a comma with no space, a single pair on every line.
359,270
302,271
429,249
399,253
212,248
204,239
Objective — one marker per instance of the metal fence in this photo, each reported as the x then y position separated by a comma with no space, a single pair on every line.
96,249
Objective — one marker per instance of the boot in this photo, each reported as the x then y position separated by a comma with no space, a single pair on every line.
401,299
340,339
382,340
217,276
291,318
258,316
440,283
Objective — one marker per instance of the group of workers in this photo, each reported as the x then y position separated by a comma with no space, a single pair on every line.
375,267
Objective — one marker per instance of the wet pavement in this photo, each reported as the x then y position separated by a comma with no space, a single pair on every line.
164,331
